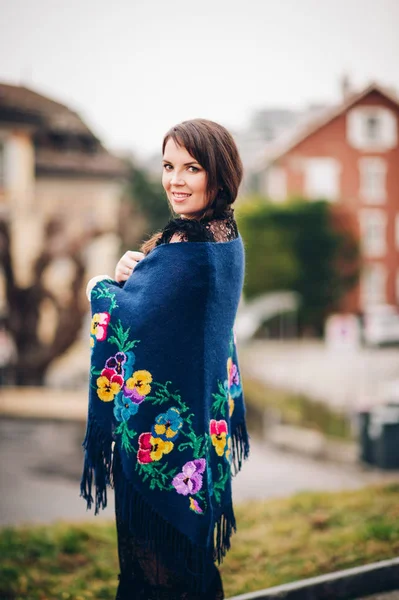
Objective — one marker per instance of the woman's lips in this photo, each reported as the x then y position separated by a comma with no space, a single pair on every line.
180,197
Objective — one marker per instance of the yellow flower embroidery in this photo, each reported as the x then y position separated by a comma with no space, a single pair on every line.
218,432
231,405
165,430
229,366
228,450
140,381
159,448
219,441
107,390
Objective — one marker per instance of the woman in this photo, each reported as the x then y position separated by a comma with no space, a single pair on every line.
165,387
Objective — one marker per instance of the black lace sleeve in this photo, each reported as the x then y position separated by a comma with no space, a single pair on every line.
189,230
220,229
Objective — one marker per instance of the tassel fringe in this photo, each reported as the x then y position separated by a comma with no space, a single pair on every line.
97,466
240,447
163,541
161,538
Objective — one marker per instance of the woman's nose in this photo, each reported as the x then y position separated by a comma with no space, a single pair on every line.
176,179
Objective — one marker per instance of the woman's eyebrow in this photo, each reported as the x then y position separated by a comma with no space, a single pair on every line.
193,162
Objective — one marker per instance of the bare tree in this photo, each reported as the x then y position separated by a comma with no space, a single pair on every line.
24,304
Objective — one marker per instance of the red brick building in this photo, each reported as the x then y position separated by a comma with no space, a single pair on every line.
350,155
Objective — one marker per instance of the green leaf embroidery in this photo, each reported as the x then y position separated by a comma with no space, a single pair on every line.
127,435
102,291
159,477
121,337
218,486
221,400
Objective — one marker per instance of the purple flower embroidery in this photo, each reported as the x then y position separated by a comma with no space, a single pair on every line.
189,481
133,394
116,363
235,378
194,506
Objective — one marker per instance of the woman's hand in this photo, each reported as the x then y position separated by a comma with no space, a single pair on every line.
126,265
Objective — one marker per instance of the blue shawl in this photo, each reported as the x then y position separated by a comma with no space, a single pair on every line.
165,388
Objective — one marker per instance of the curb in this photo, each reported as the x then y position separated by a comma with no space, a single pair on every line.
311,443
349,584
44,404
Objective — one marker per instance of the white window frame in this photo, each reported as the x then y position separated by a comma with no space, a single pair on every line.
372,176
322,178
373,228
356,127
373,284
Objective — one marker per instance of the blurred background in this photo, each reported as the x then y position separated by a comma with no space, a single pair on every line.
310,92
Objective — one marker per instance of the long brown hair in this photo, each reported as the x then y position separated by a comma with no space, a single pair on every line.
214,148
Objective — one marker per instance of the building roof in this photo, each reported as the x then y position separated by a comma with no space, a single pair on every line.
306,128
63,141
100,163
53,115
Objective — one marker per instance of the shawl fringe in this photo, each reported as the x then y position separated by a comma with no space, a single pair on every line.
161,538
97,466
164,541
240,446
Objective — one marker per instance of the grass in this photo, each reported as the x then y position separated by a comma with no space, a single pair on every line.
278,541
295,409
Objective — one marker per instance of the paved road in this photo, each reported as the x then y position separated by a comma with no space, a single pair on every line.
311,368
41,463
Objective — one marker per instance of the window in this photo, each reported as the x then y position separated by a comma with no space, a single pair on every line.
373,179
372,128
277,184
322,177
373,285
373,232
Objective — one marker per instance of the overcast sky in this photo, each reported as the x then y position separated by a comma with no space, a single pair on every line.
133,68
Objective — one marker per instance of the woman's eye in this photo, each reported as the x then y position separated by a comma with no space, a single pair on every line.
194,169
167,167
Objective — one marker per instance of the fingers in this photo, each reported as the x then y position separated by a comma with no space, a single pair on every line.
126,265
133,255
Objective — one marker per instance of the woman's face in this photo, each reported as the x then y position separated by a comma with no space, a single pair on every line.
184,181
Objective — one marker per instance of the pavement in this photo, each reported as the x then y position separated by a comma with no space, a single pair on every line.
42,460
344,379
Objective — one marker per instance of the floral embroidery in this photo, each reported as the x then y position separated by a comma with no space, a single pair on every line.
116,363
168,424
233,383
124,408
231,405
228,454
152,449
99,325
194,506
133,394
218,431
109,384
140,382
189,481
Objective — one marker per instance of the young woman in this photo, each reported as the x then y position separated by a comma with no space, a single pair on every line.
166,421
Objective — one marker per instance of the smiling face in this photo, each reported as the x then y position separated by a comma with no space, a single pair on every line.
185,181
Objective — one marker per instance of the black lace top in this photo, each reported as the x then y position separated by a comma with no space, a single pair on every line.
143,575
222,228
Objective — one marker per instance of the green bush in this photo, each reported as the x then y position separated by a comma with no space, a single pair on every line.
298,246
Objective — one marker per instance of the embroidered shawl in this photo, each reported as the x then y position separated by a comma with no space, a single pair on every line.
165,389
